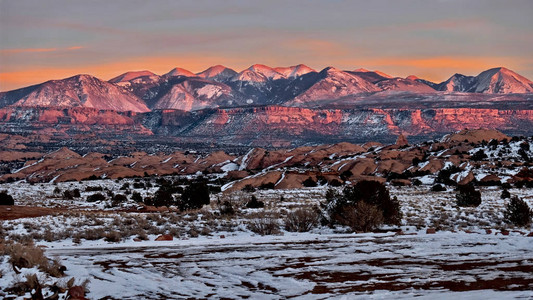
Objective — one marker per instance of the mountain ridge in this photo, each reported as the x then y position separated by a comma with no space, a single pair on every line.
219,86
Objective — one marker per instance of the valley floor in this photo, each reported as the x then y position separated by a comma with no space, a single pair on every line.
472,255
308,266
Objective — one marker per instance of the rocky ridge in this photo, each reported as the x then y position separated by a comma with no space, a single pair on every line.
483,156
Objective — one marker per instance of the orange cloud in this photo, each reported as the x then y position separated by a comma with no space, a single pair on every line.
159,65
439,68
438,62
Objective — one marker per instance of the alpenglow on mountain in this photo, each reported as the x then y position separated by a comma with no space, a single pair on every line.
258,85
264,106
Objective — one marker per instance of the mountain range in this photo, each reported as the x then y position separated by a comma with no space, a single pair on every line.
258,106
258,85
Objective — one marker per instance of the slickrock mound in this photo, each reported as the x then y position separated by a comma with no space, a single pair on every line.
448,162
65,164
294,180
16,155
475,136
491,178
257,180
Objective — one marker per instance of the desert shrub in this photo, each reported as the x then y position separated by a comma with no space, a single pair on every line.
254,203
309,182
438,188
264,223
467,196
417,182
518,212
505,194
248,188
346,175
267,186
125,186
71,194
136,196
138,185
113,237
162,197
376,193
335,182
321,180
301,220
57,191
6,199
94,189
95,197
343,208
119,198
444,175
226,209
361,216
194,196
479,155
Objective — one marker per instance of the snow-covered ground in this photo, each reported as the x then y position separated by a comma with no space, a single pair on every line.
219,256
307,266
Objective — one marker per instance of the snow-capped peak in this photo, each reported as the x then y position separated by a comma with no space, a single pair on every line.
131,75
266,71
217,73
180,72
363,70
501,81
294,71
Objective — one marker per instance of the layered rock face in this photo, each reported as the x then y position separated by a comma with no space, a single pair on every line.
69,121
283,126
270,126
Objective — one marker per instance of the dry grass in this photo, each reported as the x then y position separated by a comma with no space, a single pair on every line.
29,256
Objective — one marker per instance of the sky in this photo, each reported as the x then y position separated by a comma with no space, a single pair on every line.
53,39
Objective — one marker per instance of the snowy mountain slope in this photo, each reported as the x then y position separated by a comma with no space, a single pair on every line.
217,73
79,90
194,94
259,85
457,83
501,81
294,71
333,83
370,76
493,81
401,84
128,76
258,73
